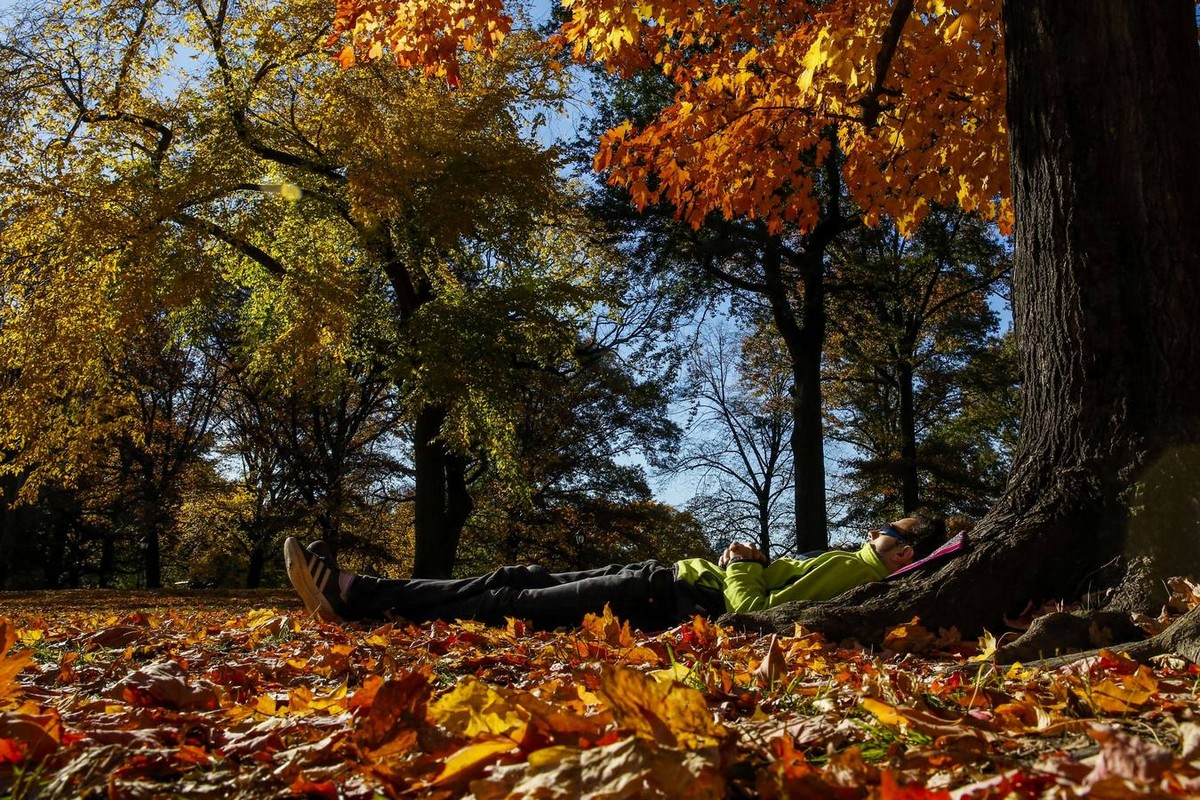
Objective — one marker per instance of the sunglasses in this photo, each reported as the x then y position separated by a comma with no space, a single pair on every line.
888,529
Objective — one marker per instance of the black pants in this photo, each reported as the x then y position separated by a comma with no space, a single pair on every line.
646,594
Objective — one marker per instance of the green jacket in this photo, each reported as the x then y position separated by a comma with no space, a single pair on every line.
750,586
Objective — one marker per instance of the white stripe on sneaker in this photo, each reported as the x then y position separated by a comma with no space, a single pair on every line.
320,573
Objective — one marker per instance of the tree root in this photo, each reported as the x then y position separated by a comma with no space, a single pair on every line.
1181,638
1061,632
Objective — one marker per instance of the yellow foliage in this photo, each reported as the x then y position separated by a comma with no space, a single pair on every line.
473,708
669,713
260,189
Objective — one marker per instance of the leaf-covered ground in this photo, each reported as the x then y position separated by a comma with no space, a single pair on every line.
205,695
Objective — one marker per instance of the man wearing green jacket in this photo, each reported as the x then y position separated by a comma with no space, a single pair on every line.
749,582
649,594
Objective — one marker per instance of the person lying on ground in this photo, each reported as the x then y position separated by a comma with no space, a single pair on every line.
651,595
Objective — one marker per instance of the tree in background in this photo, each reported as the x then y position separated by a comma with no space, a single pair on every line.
176,392
737,450
314,460
920,382
114,523
585,429
740,260
143,182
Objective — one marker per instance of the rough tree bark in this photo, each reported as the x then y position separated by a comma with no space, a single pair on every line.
1103,124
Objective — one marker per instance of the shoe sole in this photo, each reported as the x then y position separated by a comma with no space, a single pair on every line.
300,565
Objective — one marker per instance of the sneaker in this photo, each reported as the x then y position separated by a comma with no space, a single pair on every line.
315,580
321,548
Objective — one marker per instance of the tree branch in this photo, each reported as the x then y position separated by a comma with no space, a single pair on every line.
251,251
883,62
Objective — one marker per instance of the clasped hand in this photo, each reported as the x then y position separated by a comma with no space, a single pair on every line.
741,552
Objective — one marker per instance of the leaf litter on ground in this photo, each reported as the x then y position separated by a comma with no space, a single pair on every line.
250,697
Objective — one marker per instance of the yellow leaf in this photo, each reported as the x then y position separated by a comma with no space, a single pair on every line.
924,722
804,82
1123,694
987,648
470,759
265,704
816,54
886,714
10,663
606,627
260,617
473,708
908,638
30,636
669,713
675,672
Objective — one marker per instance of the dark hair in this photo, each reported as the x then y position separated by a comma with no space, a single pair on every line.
959,523
928,534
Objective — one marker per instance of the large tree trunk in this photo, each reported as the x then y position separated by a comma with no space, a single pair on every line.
443,501
1103,126
254,570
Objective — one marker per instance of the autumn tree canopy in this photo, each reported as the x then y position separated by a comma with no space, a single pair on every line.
919,381
910,93
187,166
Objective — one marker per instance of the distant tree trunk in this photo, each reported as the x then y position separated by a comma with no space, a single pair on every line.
909,482
108,557
804,338
254,571
459,504
443,502
152,551
764,518
56,554
8,526
1103,124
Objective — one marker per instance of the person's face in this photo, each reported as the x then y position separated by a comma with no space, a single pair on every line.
893,552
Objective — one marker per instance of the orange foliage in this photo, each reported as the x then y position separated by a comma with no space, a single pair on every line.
426,34
910,92
198,697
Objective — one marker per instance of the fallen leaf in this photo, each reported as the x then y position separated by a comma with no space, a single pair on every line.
772,665
1120,694
668,713
399,706
165,684
473,708
631,768
910,637
468,761
1126,756
10,663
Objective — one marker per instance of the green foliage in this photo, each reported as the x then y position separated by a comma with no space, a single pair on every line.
920,382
